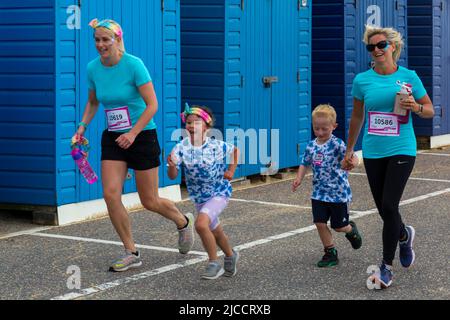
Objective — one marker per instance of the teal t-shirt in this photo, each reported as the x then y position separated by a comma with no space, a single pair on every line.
378,93
118,86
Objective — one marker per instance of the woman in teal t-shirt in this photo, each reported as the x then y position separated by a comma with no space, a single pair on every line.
122,84
389,142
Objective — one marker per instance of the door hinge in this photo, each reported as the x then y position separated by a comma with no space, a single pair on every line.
441,5
79,4
242,81
298,76
298,149
242,5
162,5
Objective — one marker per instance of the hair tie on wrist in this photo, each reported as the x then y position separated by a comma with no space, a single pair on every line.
83,124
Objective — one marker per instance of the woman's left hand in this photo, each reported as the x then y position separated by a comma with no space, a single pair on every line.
126,140
409,104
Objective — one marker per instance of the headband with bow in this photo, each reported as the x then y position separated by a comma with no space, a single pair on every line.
197,111
107,24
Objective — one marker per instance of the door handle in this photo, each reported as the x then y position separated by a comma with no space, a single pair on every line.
269,80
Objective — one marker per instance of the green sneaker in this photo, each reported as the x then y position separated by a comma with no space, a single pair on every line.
329,259
354,236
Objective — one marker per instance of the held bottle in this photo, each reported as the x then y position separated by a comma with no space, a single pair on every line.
84,166
402,114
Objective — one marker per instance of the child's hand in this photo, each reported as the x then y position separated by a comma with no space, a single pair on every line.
170,161
296,183
228,175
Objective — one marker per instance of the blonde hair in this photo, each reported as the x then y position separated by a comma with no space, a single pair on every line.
392,35
326,111
111,28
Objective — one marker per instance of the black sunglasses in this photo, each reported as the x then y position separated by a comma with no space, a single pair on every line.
380,45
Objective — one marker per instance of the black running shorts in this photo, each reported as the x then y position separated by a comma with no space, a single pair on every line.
337,213
142,155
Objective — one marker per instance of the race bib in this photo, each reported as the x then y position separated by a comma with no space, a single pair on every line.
118,119
383,124
318,159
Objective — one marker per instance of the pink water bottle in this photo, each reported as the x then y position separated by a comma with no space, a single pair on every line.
84,166
405,91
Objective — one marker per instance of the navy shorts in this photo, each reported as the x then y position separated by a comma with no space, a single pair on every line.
142,155
337,213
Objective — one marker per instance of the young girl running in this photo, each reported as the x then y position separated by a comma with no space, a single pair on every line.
208,183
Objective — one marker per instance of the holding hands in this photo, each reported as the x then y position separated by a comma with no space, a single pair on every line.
350,161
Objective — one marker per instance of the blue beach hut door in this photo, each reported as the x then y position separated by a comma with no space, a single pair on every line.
445,90
269,53
256,64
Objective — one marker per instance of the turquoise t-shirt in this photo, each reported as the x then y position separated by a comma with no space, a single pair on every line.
378,93
118,86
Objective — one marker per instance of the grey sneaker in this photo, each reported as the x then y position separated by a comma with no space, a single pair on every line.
230,264
186,236
128,261
213,271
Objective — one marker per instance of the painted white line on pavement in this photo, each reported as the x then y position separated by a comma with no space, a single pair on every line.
277,204
144,275
435,154
424,197
58,236
25,232
137,277
271,203
410,178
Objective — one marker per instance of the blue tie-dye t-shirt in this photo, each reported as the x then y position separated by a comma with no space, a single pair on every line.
204,167
330,182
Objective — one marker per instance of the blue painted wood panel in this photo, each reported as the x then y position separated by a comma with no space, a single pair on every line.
339,53
27,101
227,49
429,55
43,90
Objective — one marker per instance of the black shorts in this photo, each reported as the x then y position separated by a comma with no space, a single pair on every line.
337,213
142,155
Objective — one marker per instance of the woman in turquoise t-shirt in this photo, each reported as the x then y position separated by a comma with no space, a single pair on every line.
389,142
122,84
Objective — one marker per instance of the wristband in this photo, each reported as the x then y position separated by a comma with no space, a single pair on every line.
83,124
